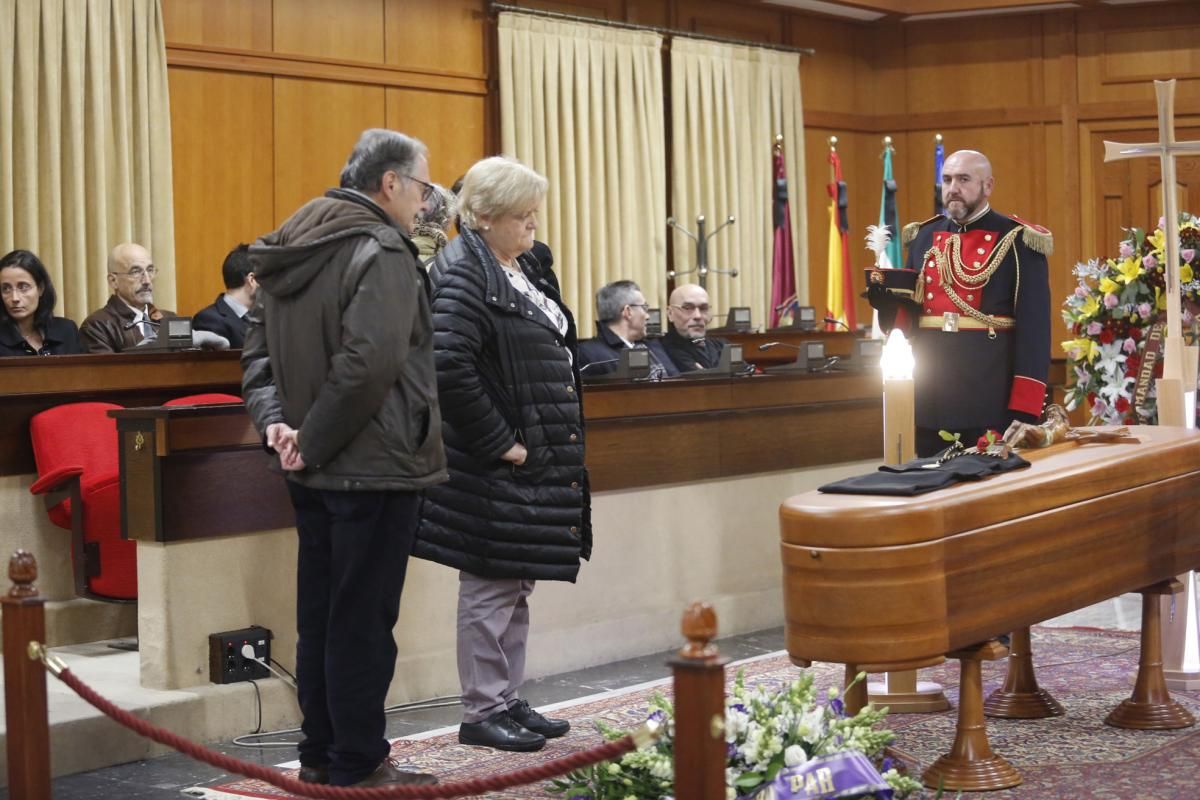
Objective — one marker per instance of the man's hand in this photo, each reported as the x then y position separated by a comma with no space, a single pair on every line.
516,454
285,440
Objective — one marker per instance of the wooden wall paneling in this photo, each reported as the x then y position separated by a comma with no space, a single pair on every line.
443,36
1059,212
752,23
827,79
880,86
600,9
1121,50
649,12
233,24
348,30
221,137
316,126
981,66
451,125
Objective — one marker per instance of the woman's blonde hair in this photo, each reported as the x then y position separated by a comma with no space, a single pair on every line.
497,186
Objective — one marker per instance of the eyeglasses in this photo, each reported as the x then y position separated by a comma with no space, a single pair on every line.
691,308
427,190
643,306
137,273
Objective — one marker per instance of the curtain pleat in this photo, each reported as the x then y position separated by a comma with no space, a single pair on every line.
583,105
728,102
85,151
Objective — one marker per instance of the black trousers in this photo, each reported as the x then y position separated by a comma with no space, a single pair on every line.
354,549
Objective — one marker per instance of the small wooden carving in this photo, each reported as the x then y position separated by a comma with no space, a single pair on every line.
1057,428
22,571
699,626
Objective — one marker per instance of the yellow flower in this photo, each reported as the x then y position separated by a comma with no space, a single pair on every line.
1086,348
1129,270
1158,239
1109,286
1185,274
1089,308
1160,299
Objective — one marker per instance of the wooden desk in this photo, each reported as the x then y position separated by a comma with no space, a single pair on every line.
33,384
681,430
837,343
195,472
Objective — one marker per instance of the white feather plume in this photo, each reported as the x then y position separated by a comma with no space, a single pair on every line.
878,237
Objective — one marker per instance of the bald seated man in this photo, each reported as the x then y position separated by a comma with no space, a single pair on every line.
687,341
129,318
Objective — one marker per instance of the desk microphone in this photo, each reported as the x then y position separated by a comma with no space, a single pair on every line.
832,321
591,364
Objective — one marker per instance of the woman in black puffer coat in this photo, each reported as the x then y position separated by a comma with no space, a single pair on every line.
517,507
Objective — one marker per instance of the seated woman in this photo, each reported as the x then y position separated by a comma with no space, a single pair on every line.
28,326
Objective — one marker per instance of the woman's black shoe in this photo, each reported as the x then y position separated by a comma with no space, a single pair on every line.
502,732
526,717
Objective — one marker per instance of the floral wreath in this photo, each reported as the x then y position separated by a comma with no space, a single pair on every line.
1110,314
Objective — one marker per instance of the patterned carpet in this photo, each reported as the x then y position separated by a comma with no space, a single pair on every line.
1075,756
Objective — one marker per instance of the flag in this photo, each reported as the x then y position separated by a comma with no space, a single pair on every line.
839,295
783,265
939,157
887,213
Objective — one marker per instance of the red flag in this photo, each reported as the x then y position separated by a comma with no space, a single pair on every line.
783,265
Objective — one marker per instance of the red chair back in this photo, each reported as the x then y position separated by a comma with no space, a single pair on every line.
74,434
209,399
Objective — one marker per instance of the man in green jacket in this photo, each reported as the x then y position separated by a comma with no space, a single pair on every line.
338,377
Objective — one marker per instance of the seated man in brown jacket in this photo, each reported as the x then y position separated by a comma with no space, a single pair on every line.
129,318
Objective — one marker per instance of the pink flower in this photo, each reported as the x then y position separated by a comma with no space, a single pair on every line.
1188,254
1126,249
1082,378
1098,408
1081,291
1150,262
1187,317
1111,301
1129,346
1162,223
1094,328
1144,310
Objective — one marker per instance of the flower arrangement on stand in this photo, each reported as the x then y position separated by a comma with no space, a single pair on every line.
1110,313
773,737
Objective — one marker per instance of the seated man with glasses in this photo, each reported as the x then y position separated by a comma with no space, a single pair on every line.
621,313
129,318
686,341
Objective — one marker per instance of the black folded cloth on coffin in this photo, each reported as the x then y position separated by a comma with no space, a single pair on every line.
923,475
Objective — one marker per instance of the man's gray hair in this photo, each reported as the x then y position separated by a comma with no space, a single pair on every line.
497,186
380,150
612,299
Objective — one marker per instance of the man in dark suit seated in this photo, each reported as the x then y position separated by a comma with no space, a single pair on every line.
622,311
685,340
226,315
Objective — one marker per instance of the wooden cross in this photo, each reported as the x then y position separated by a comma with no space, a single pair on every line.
1178,382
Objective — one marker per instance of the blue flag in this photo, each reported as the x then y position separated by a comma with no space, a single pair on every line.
939,158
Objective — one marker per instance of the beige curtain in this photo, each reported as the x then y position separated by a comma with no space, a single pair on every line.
85,141
728,102
583,105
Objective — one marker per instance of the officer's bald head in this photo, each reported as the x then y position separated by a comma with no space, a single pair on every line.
966,183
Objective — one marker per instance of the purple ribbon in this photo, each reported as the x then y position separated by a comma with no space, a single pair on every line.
846,774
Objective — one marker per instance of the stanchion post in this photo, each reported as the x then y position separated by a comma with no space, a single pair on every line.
699,673
24,621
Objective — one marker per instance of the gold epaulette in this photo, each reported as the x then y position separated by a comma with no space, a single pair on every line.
1035,237
909,231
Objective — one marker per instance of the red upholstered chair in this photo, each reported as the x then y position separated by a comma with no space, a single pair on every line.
75,448
210,399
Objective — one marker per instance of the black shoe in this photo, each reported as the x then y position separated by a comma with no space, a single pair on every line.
526,717
502,732
389,773
314,774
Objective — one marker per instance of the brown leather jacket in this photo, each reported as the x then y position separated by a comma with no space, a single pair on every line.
110,329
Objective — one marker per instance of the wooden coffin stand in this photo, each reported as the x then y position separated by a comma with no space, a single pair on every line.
892,583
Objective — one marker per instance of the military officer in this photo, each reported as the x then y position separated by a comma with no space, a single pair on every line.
979,317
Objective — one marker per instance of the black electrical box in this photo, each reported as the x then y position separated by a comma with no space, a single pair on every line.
226,662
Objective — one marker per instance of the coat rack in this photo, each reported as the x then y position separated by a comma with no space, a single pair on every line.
702,269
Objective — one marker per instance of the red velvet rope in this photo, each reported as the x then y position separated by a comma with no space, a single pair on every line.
475,786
